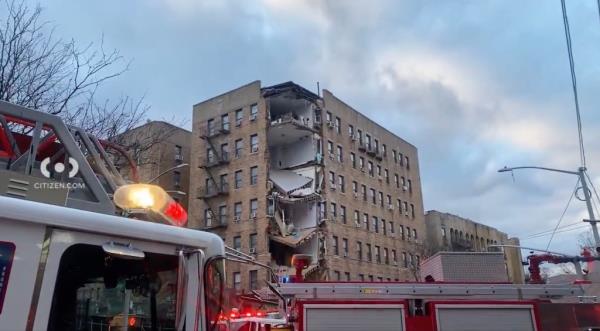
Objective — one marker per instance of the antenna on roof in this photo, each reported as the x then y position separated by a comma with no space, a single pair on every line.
318,90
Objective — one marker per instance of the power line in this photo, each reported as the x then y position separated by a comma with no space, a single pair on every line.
547,232
582,226
573,80
587,175
563,213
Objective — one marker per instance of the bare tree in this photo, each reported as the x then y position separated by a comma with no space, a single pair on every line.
421,252
48,74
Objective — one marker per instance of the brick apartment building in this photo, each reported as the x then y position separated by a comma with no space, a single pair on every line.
447,232
280,170
158,146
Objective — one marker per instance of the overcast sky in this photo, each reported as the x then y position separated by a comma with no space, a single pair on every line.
475,85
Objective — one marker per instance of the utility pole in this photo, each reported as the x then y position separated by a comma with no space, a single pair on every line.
586,193
588,201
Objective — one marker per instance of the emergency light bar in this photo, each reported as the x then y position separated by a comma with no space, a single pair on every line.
153,198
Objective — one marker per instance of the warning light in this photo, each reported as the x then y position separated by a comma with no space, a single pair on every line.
258,314
153,198
132,321
248,314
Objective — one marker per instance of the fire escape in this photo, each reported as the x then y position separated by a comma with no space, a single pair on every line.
212,160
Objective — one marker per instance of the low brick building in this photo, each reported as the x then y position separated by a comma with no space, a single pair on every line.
465,267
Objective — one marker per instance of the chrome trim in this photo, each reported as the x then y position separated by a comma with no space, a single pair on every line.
35,297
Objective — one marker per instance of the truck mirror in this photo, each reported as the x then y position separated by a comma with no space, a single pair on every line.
123,251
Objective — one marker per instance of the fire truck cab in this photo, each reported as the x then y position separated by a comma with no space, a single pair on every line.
68,269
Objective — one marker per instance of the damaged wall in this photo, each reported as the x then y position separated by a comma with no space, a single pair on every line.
294,154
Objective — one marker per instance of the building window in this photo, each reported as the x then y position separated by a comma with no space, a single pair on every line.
224,151
178,153
225,122
332,180
207,218
343,214
383,227
238,179
330,148
412,210
347,276
376,145
394,257
379,172
404,260
371,278
360,136
338,125
373,196
253,279
361,277
328,117
368,141
361,163
369,253
409,186
254,143
322,210
350,130
333,210
254,175
401,229
354,187
389,201
386,258
444,235
405,207
353,159
252,242
239,117
337,275
370,168
237,280
408,233
391,228
411,260
210,156
366,221
386,174
406,161
400,159
223,183
345,246
334,245
253,208
340,156
378,254
341,183
415,234
363,189
356,216
176,179
381,198
237,210
396,181
211,127
239,146
384,150
394,156
223,214
237,243
253,112
375,222
359,253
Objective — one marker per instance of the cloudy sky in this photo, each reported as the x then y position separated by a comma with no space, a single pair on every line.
475,85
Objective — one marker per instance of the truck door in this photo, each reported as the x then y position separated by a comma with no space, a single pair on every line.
86,288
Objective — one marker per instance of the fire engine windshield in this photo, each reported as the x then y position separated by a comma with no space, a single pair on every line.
95,291
237,296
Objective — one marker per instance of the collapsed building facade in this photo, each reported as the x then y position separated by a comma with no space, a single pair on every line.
276,175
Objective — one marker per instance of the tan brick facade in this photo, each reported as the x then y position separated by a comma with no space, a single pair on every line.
294,146
454,233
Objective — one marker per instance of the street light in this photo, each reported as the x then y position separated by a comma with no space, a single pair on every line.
168,170
586,192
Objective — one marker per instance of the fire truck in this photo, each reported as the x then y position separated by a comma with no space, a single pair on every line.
77,252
